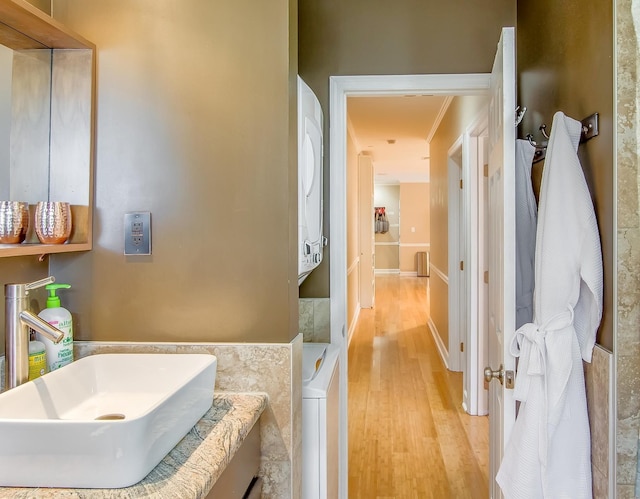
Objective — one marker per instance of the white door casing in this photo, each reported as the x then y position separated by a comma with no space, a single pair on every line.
475,395
481,273
501,246
340,88
455,360
366,232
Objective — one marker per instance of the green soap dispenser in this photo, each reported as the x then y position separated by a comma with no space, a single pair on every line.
61,354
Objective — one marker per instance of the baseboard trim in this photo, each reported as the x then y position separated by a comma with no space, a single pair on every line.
354,323
442,350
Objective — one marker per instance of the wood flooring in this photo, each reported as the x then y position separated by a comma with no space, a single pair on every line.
408,434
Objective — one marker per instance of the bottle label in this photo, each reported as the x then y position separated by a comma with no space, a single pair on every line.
61,354
37,365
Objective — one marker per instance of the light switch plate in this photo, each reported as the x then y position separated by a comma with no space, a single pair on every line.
137,233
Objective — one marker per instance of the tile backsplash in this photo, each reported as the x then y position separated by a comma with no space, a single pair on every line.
315,319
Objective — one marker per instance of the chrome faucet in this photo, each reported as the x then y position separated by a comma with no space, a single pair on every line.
18,320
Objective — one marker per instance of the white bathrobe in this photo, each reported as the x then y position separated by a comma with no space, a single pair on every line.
526,220
549,452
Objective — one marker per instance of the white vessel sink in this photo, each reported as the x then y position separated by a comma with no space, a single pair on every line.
103,421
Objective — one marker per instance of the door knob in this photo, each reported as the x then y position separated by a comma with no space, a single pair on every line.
507,378
490,374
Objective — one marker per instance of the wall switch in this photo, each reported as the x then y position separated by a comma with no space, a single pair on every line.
137,233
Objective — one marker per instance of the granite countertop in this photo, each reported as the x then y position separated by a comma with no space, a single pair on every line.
192,467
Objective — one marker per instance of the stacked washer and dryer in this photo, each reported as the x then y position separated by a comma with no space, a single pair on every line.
320,363
310,239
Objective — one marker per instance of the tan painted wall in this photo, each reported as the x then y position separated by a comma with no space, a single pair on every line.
387,249
180,95
44,5
461,113
348,37
439,306
414,212
572,71
197,124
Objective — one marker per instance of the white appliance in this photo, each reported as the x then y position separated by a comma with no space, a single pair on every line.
320,419
310,154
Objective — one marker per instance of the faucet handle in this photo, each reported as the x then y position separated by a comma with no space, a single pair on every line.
40,283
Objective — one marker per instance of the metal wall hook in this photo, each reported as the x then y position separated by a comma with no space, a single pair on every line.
520,114
543,129
590,127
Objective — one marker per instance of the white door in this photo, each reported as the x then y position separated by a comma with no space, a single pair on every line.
501,246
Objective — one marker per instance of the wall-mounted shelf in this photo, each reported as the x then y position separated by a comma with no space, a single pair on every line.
25,249
68,96
27,27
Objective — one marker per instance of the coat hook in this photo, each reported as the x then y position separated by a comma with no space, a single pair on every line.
543,129
530,139
520,114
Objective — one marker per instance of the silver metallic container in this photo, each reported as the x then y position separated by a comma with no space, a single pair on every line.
14,221
53,222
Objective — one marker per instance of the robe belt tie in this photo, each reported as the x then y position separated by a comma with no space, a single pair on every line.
530,345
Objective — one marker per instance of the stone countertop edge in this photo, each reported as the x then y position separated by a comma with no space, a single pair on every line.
192,467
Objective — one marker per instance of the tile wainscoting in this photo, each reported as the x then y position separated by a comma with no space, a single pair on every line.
600,398
314,321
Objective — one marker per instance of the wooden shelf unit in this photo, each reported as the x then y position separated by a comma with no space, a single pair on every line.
25,27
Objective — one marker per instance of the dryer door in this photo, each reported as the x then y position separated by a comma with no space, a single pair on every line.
312,180
310,156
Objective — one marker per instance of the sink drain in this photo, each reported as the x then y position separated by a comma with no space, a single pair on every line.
110,417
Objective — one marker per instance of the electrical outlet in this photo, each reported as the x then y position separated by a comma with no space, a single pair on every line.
137,233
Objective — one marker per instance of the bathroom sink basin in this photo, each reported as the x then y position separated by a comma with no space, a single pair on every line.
103,421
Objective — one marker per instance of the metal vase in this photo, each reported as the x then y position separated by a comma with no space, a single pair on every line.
14,221
53,222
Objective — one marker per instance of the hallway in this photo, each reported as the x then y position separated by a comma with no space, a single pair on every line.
409,437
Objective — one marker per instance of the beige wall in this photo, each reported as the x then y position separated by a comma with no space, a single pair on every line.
349,37
44,5
572,71
387,249
461,113
414,213
196,122
439,307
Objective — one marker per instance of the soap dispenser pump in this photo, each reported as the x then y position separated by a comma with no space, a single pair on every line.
61,354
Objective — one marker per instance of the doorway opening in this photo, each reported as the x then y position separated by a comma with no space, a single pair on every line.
342,87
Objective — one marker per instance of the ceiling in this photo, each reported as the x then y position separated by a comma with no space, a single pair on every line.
396,132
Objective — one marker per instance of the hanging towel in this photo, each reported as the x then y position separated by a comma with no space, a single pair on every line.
526,220
549,450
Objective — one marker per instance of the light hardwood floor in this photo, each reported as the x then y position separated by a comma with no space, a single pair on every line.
408,434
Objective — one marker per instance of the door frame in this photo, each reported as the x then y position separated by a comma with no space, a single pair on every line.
457,249
475,394
341,87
